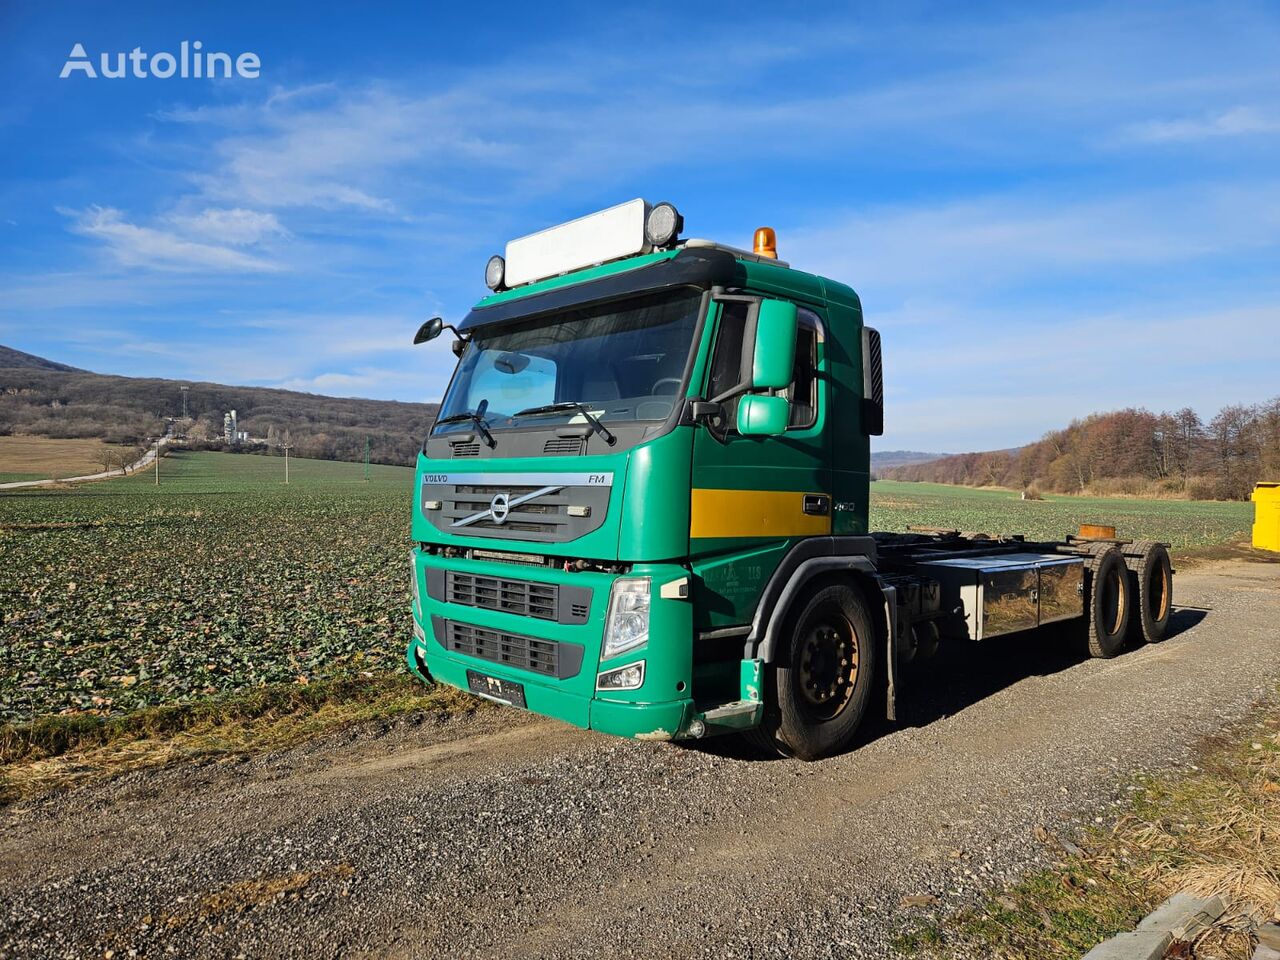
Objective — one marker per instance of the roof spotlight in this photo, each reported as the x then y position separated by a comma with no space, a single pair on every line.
495,271
663,224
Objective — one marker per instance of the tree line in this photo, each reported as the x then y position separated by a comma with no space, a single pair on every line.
1130,452
131,411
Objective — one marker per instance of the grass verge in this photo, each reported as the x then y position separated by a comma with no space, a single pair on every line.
1213,829
58,751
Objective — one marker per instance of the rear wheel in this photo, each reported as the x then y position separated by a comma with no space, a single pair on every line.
822,682
1151,586
1107,601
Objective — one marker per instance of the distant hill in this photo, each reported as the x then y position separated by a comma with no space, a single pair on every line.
1128,452
16,359
884,459
42,398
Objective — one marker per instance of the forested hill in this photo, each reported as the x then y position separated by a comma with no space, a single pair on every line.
12,358
883,459
39,401
1130,452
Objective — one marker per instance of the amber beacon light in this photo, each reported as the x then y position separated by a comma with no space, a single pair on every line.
766,244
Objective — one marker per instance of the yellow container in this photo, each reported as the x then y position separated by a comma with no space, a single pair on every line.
1266,516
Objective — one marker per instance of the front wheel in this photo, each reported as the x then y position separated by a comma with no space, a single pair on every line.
822,682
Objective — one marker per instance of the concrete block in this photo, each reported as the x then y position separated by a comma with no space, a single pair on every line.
1184,915
1263,952
1269,935
1138,945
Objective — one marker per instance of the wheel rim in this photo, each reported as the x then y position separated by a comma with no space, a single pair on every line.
1112,612
828,666
1158,592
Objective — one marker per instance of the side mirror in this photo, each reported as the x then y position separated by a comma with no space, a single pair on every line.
763,416
774,354
429,330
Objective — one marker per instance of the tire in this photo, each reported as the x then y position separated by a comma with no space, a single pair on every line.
1107,601
1151,584
819,688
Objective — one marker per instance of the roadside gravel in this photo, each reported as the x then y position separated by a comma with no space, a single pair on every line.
509,834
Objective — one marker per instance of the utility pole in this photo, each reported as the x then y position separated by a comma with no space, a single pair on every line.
366,459
158,461
184,401
287,447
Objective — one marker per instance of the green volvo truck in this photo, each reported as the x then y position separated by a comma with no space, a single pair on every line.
643,506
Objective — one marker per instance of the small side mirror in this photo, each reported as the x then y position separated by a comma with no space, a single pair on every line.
763,416
429,330
459,347
774,354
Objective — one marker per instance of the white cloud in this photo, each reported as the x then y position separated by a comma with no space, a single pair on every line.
237,226
918,250
995,378
328,383
138,246
1235,122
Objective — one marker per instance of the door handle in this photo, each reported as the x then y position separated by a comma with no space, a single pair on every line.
817,504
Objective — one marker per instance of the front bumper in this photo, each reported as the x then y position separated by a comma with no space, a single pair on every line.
667,720
643,713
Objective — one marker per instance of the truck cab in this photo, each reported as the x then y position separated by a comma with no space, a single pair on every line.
642,508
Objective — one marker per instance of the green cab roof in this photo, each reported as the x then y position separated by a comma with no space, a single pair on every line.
688,265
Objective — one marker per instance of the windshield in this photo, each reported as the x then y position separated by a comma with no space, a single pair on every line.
620,361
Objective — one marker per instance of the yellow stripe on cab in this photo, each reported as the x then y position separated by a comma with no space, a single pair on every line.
718,514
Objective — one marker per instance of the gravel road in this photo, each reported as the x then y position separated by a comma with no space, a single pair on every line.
512,835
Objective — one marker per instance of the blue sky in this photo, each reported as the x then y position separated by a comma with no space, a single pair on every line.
1046,212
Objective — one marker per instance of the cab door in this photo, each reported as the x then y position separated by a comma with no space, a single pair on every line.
752,498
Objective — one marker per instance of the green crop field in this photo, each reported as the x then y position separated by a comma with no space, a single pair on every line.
1182,523
121,594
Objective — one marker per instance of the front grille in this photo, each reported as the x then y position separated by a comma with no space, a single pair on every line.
522,597
546,515
466,450
536,507
509,649
554,602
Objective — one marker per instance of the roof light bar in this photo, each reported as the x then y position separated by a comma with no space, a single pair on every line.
628,229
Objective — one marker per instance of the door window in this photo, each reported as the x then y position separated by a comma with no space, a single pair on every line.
730,365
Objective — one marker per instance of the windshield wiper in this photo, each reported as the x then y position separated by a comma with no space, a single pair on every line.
563,407
475,416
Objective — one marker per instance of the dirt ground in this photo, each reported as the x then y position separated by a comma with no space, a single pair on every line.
513,835
43,457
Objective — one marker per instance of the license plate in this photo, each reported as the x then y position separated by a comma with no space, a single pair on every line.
495,688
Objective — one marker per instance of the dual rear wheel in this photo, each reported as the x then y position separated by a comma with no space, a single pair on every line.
1128,596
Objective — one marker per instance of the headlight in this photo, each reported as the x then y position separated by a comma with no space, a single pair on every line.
495,271
627,626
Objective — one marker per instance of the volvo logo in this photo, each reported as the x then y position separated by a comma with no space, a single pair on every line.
500,508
